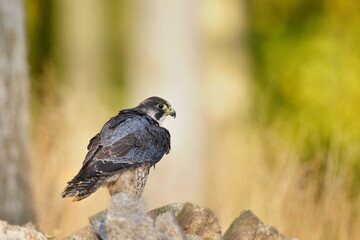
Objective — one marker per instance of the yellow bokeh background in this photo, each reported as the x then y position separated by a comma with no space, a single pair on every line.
266,92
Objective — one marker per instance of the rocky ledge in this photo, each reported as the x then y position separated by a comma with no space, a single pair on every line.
128,219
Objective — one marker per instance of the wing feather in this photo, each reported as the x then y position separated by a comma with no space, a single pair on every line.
128,140
111,152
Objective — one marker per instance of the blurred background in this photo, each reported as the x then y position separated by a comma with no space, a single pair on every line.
266,92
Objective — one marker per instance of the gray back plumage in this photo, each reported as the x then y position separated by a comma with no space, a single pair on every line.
128,140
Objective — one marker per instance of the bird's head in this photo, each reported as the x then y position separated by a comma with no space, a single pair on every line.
157,108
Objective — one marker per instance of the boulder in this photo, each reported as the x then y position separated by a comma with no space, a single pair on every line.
249,227
127,218
199,221
193,237
85,233
175,208
14,232
167,224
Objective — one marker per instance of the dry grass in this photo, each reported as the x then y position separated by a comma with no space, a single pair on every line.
60,136
261,173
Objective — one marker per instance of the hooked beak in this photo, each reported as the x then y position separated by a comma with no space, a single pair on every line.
170,111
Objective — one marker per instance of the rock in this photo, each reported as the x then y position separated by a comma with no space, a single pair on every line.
85,233
193,237
199,221
175,208
95,231
26,232
167,224
127,218
249,227
97,223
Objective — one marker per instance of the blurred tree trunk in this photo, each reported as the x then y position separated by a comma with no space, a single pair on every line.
228,90
164,61
15,194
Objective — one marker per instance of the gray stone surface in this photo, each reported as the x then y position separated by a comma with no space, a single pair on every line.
85,233
199,221
249,227
175,208
97,225
167,224
193,237
127,219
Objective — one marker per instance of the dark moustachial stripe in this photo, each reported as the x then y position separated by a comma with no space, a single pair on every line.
159,115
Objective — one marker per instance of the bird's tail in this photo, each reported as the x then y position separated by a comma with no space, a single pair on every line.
79,189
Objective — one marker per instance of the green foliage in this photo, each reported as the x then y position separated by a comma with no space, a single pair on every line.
305,62
41,42
114,51
40,33
46,52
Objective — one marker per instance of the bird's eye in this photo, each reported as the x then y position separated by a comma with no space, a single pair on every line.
161,106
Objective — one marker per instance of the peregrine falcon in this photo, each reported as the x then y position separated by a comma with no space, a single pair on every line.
122,153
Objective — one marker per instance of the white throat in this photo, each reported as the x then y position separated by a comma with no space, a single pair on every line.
160,121
152,115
